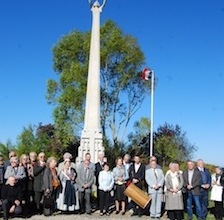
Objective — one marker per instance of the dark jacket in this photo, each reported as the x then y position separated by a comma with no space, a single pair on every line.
2,172
205,178
38,173
196,181
140,174
11,193
98,168
47,180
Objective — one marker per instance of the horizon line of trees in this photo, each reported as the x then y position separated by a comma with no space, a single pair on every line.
170,143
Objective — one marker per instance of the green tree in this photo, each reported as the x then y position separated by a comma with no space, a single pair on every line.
6,148
122,91
43,138
171,143
27,141
139,138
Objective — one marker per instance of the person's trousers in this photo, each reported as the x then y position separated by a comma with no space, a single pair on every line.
6,205
204,203
190,199
38,196
84,201
156,204
175,214
218,210
104,200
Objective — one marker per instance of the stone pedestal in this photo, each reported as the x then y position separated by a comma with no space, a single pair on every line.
91,142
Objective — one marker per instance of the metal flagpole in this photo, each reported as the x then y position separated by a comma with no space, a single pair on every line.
152,112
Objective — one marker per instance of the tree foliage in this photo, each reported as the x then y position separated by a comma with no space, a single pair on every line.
6,148
122,91
43,138
169,141
139,138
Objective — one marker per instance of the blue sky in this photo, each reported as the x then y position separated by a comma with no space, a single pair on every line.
183,41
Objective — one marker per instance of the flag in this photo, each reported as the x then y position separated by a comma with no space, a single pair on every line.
146,73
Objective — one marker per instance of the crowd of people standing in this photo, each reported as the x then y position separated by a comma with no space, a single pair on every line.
34,184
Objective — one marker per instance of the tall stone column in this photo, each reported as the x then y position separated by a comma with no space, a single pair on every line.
91,137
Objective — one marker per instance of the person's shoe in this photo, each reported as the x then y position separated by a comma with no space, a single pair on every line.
107,213
101,213
88,213
117,212
122,213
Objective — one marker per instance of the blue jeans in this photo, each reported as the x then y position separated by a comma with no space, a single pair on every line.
196,199
204,202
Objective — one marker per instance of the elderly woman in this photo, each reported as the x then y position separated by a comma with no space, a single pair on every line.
50,185
217,192
61,165
23,162
174,199
120,177
30,175
106,183
15,170
68,197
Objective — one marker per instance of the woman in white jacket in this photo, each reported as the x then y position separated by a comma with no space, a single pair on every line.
106,183
217,192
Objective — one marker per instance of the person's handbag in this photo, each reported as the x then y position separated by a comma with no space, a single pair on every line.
48,200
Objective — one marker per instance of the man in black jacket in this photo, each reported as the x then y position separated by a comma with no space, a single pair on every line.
205,187
137,175
38,172
98,168
12,196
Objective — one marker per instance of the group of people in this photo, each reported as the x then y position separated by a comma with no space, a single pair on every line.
42,185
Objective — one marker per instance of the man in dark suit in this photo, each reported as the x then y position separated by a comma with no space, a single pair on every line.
205,186
192,184
137,175
38,173
98,168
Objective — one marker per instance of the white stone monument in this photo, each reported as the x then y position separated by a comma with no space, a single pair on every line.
91,137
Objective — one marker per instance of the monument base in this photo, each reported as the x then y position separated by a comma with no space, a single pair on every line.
91,142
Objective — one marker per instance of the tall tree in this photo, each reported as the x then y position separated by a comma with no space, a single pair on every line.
27,141
122,91
171,143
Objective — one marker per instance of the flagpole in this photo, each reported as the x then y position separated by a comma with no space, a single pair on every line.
152,113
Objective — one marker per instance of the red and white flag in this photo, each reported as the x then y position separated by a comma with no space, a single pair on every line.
146,73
